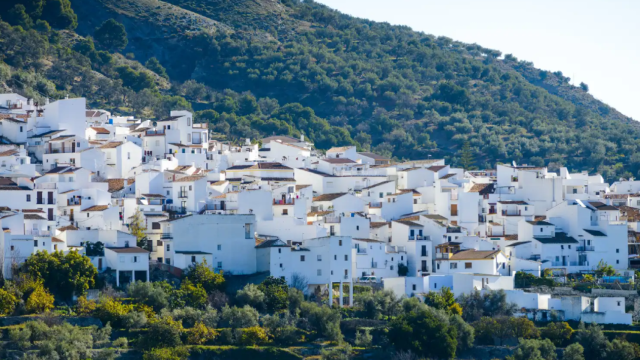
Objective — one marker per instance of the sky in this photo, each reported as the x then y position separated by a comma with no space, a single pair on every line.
592,41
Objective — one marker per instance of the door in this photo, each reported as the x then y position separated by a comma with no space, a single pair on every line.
564,260
39,197
100,264
50,214
71,215
424,266
424,250
50,198
222,205
73,147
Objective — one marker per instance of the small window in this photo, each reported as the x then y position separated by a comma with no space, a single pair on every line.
319,272
20,128
541,229
453,266
28,198
190,187
562,247
468,265
617,261
335,257
128,156
301,257
340,242
135,259
193,259
346,258
279,251
35,243
87,214
619,303
219,264
413,287
12,247
617,251
569,246
219,247
285,211
168,247
357,227
281,265
319,257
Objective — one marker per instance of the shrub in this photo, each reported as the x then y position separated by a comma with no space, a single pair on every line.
178,353
252,296
165,332
85,307
337,353
254,335
134,320
235,317
7,302
39,301
559,333
276,292
112,311
121,342
200,334
152,294
201,274
363,338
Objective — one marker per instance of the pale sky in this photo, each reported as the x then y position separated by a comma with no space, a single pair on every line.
591,41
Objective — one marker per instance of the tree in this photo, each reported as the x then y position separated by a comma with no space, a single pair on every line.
137,229
178,353
7,302
593,341
252,296
424,333
584,87
521,327
558,332
192,295
605,269
622,350
236,318
336,353
63,274
403,269
39,301
58,13
111,35
254,335
164,332
324,320
465,332
18,16
573,352
466,156
364,338
155,295
154,65
202,274
490,303
443,300
534,350
276,293
112,311
200,334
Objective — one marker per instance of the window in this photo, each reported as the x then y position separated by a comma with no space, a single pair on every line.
121,259
562,247
617,261
340,242
55,247
618,303
381,195
346,258
391,267
468,265
319,272
219,264
413,287
279,251
168,247
281,265
358,227
188,138
569,246
193,259
247,231
301,257
188,121
541,229
335,257
557,258
87,214
285,211
190,187
35,243
219,247
453,266
12,247
28,198
617,251
167,261
135,259
319,257
155,225
402,258
20,128
128,156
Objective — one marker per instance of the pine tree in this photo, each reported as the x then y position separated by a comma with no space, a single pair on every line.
466,157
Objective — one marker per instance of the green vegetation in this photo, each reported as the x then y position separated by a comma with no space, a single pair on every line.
259,68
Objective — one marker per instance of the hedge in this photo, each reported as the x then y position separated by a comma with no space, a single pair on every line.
241,353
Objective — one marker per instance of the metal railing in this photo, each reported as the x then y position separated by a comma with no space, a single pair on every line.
586,248
361,250
166,236
182,194
36,232
47,185
454,229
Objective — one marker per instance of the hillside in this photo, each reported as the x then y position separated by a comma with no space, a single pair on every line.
256,67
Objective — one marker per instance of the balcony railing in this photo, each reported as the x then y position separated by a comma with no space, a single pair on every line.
423,237
47,185
166,236
361,250
375,204
332,219
586,248
374,264
453,229
59,151
412,237
182,194
395,249
74,202
346,277
565,263
284,202
36,232
510,213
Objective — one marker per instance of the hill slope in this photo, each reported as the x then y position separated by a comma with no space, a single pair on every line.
341,80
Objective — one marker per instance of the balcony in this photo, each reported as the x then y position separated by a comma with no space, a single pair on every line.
74,202
412,237
47,185
453,229
565,263
284,202
443,255
510,213
332,219
586,248
183,194
375,204
361,250
374,264
36,232
166,236
423,237
395,249
346,277
59,151
534,258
